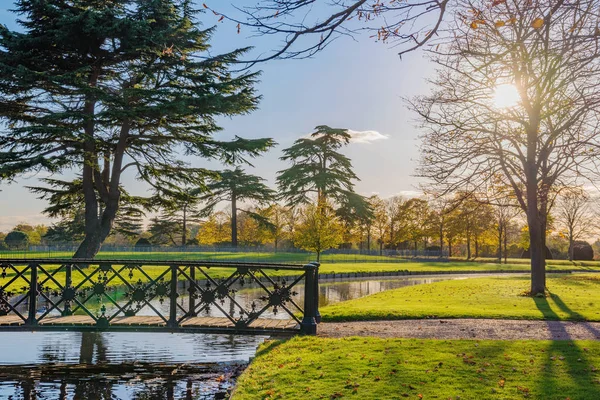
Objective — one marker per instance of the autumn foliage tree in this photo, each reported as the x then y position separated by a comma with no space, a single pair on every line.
319,229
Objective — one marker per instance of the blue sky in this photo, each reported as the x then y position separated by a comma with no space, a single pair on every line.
354,84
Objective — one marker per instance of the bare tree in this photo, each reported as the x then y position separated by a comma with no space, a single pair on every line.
307,27
574,215
546,53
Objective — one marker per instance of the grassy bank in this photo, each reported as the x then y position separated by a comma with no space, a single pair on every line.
338,268
371,368
572,297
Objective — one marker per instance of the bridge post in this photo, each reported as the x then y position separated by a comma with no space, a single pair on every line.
192,291
309,323
67,289
33,291
317,313
173,298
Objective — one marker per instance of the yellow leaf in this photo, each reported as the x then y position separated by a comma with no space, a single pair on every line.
499,24
537,23
511,21
474,25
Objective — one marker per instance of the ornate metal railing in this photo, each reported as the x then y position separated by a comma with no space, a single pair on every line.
176,295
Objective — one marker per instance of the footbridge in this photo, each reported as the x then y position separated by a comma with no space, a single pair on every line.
161,296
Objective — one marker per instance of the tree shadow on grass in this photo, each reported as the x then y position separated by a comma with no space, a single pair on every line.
566,371
270,345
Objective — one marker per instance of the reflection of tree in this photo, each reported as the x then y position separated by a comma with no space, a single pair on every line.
86,350
165,391
92,389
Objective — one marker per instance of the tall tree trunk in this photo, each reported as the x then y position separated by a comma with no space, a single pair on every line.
476,246
536,243
500,243
571,245
506,244
441,240
234,241
184,233
91,242
449,247
468,246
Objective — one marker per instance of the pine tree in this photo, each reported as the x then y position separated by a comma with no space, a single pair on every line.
319,169
233,186
113,86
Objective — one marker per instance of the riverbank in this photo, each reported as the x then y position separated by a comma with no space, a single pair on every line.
571,297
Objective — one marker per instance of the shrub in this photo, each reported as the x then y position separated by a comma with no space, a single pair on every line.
527,254
192,242
16,240
582,251
143,242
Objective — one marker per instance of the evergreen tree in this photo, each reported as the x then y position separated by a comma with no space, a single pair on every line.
165,232
319,169
68,204
181,207
112,87
233,186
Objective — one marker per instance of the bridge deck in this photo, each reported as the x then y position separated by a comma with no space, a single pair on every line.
85,322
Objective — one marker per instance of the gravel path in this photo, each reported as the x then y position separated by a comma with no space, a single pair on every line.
465,329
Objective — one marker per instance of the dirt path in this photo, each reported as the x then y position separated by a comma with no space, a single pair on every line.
465,329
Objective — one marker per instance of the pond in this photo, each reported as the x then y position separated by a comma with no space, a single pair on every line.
69,365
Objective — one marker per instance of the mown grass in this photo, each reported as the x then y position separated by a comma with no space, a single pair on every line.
593,263
275,257
220,272
326,268
572,297
372,368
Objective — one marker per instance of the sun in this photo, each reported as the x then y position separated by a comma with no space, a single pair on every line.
506,96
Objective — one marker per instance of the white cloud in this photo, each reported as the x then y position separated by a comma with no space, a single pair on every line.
366,136
409,193
360,136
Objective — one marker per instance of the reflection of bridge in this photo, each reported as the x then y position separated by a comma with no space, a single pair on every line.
146,295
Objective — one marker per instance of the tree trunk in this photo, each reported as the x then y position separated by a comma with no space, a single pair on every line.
234,241
476,247
449,248
505,244
538,262
441,241
381,248
468,247
499,243
571,245
184,233
92,241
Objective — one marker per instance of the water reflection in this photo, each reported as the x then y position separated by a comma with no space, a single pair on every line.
91,365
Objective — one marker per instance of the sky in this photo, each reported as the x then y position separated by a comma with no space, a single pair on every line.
355,84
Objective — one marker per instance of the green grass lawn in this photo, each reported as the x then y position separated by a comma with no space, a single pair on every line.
286,257
572,297
326,268
372,368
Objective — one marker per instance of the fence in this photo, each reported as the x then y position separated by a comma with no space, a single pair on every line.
243,254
